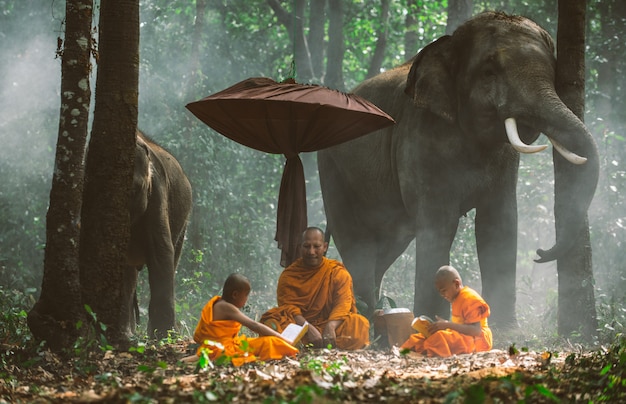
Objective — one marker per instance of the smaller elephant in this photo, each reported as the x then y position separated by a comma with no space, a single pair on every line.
160,208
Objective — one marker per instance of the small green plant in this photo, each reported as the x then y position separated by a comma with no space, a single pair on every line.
96,329
321,366
612,376
140,348
307,393
150,369
108,379
172,337
204,359
13,306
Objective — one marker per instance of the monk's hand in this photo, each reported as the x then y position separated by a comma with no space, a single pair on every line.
329,336
314,337
439,324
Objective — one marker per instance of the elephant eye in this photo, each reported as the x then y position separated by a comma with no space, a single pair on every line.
489,68
488,73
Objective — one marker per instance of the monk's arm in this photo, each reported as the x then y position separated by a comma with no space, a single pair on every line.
471,329
230,312
313,335
261,328
342,295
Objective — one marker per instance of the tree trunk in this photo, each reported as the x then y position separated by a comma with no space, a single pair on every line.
576,301
109,170
294,22
194,59
334,67
317,21
381,44
459,11
612,14
54,316
410,30
194,232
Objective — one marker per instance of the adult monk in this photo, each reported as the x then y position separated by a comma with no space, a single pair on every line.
218,329
467,332
318,290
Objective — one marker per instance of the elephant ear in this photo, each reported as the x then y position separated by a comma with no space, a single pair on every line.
430,81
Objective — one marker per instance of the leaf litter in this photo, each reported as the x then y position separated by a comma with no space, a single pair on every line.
158,374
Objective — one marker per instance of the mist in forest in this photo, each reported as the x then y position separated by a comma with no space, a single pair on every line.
29,111
29,101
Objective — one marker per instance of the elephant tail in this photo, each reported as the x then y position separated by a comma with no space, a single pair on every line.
136,308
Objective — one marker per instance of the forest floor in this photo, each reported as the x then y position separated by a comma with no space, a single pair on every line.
158,374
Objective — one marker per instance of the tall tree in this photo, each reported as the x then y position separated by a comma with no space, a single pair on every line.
317,22
459,11
105,234
334,67
294,22
55,315
576,301
381,43
610,100
411,37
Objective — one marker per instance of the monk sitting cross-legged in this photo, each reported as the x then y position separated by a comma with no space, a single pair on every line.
467,332
318,290
221,321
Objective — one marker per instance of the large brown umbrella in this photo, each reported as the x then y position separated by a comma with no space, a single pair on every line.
288,118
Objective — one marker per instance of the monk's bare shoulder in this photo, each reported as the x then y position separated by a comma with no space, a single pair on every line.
222,310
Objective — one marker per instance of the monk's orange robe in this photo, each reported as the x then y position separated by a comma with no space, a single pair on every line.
320,295
468,307
226,333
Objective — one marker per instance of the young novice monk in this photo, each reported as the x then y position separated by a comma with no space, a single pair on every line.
467,332
221,321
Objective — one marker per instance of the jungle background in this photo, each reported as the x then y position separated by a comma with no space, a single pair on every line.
236,188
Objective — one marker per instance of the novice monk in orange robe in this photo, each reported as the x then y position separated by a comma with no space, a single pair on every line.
221,321
318,290
467,332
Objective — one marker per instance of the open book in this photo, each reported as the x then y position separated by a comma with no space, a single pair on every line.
294,332
421,324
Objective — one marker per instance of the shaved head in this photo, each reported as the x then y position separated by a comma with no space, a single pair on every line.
235,282
447,273
312,230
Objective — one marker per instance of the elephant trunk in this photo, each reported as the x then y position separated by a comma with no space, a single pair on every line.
575,179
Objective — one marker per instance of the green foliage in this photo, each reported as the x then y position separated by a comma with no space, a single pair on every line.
601,374
14,333
321,366
308,393
94,336
518,384
13,308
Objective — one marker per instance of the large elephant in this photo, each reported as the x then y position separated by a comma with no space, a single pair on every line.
160,208
461,105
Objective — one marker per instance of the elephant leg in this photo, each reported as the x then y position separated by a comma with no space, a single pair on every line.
387,252
178,245
433,241
161,315
496,243
129,298
359,257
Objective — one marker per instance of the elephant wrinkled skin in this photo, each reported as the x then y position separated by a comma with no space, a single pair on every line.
160,208
449,153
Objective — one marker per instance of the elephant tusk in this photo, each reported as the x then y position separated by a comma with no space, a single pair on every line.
511,132
568,155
